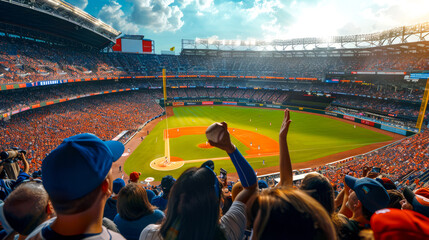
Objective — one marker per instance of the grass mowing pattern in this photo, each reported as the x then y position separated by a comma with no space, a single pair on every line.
310,137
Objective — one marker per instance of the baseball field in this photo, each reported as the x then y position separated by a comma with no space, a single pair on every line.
255,133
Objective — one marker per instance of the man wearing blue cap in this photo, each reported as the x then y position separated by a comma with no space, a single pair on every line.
162,200
78,178
110,209
365,196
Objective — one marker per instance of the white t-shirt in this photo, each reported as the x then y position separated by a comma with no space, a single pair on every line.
105,234
233,224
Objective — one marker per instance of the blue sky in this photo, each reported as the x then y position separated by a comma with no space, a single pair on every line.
167,22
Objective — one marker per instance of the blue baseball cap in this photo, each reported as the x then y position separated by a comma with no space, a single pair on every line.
118,184
370,192
167,182
78,165
262,184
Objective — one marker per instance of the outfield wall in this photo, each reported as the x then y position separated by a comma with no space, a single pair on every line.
239,102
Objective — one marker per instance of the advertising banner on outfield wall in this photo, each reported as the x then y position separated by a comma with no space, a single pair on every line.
348,118
393,129
207,103
331,114
273,106
178,104
369,123
229,103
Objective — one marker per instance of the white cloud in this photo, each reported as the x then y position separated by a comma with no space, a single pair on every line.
204,4
198,5
264,7
79,3
234,20
157,15
113,15
184,3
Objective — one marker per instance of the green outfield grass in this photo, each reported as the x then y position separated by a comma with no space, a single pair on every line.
310,137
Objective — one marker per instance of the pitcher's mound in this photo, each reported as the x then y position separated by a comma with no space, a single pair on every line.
205,145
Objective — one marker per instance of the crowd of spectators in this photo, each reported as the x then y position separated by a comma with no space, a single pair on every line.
58,203
386,92
20,98
381,106
22,60
41,130
402,162
408,122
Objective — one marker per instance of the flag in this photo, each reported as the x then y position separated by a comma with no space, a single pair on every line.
172,49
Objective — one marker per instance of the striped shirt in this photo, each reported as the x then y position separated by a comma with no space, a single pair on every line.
233,224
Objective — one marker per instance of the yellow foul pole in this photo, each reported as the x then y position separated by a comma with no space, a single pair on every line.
423,107
167,141
164,83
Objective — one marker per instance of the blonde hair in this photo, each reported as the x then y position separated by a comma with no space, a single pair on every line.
285,212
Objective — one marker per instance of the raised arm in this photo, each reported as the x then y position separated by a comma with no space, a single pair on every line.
244,170
285,163
25,162
344,209
338,202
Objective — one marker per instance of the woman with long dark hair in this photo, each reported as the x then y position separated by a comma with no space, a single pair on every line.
194,206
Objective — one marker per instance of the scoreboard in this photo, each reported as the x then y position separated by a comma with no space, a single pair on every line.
134,44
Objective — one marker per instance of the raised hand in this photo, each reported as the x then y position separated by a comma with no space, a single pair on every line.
365,171
285,124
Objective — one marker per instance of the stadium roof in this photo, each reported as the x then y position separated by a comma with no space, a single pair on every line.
406,39
44,19
418,47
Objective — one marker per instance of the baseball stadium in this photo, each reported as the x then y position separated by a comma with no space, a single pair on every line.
351,106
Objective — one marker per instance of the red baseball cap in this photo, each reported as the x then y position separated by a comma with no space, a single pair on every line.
387,183
395,224
422,192
134,176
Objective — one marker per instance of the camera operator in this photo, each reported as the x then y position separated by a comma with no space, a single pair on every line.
10,172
